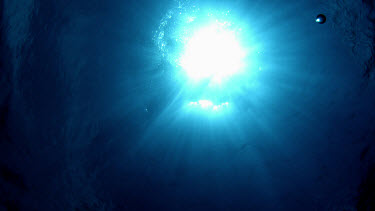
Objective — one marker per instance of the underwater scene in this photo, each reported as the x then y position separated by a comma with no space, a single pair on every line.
187,105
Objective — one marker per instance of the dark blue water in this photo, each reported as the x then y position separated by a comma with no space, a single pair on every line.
96,112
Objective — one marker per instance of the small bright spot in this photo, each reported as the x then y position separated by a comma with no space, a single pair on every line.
205,103
208,105
190,19
212,52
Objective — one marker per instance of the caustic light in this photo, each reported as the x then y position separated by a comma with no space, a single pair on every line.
212,52
208,105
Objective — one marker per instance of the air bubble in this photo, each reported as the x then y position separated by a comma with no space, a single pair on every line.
320,19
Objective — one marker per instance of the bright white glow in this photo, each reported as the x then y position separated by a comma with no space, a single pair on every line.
190,19
208,105
212,52
205,103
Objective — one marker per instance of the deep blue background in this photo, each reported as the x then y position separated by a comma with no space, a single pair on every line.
91,114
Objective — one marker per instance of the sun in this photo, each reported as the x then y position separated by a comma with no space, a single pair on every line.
213,52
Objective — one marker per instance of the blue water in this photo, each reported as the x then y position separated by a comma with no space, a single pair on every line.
97,113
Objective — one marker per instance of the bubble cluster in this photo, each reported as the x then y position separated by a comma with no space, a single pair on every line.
178,25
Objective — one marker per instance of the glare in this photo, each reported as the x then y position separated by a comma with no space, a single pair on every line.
208,105
212,52
205,103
